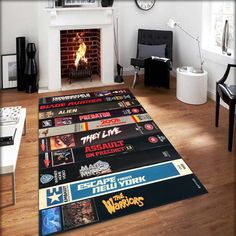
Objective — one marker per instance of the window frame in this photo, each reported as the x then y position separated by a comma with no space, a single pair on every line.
210,50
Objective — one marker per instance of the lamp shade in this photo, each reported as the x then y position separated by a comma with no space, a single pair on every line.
171,23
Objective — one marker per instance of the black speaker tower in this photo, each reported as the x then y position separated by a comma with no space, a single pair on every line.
20,62
31,70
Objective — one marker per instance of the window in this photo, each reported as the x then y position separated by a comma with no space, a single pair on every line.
215,13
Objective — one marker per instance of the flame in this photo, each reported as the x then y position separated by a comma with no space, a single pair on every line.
80,53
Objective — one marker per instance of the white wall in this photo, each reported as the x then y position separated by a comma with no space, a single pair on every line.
43,19
25,18
185,50
18,18
131,19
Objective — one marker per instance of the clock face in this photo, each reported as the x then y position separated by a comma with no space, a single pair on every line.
145,4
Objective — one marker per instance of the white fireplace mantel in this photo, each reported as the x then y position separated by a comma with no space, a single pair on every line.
76,18
85,16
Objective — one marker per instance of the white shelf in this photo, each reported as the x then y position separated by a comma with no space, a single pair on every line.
61,9
9,153
55,11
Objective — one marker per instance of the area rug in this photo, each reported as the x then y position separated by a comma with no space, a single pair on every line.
101,156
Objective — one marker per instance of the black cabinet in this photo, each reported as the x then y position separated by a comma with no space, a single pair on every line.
157,73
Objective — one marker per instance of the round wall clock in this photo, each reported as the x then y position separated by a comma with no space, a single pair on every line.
145,4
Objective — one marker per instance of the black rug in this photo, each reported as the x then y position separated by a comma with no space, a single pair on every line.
102,156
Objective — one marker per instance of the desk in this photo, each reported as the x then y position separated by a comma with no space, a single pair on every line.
191,87
9,154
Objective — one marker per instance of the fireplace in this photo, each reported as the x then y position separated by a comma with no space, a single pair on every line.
97,20
80,54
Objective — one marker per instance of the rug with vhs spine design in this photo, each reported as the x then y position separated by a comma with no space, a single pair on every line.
101,156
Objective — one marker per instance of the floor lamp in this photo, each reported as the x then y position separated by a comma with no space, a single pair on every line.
172,23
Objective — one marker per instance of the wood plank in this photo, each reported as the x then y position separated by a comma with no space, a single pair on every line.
192,132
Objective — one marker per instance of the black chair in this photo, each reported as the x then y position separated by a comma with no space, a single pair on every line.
228,95
151,38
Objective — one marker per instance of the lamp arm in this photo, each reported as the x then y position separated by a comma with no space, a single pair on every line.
198,43
200,54
190,35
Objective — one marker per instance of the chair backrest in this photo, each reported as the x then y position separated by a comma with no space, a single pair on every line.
225,76
156,37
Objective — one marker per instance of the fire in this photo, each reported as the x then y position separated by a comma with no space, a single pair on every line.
80,53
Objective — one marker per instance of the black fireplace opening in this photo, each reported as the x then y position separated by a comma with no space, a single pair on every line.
80,54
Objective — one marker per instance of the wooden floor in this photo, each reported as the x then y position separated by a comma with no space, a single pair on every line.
189,128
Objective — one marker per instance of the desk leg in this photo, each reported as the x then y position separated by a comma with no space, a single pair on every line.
24,130
13,188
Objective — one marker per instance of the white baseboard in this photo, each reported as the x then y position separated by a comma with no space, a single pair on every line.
130,71
212,96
